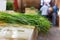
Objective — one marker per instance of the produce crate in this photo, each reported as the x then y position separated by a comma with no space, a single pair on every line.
17,32
30,11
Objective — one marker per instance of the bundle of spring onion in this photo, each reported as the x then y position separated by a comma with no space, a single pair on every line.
41,23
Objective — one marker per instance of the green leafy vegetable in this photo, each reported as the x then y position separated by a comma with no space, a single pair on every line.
9,6
41,23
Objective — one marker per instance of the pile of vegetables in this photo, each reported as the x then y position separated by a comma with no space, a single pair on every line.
9,6
41,23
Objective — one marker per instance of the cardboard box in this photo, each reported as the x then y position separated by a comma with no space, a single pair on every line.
18,33
30,12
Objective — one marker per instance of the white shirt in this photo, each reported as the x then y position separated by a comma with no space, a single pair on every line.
42,2
47,1
44,10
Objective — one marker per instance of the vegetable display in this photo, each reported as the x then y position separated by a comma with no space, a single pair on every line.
9,6
41,23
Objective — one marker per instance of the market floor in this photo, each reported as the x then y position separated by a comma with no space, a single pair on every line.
53,34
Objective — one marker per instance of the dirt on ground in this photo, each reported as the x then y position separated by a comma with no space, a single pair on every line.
53,34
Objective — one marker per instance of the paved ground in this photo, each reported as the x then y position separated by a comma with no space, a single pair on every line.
53,34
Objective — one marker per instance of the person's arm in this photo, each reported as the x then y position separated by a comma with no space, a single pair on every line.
41,8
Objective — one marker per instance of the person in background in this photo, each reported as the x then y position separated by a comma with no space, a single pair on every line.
44,10
42,2
54,14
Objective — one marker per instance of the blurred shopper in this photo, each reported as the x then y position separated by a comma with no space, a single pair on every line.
54,14
50,11
44,10
47,1
42,2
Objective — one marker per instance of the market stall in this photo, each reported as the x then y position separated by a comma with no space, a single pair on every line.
18,26
22,26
